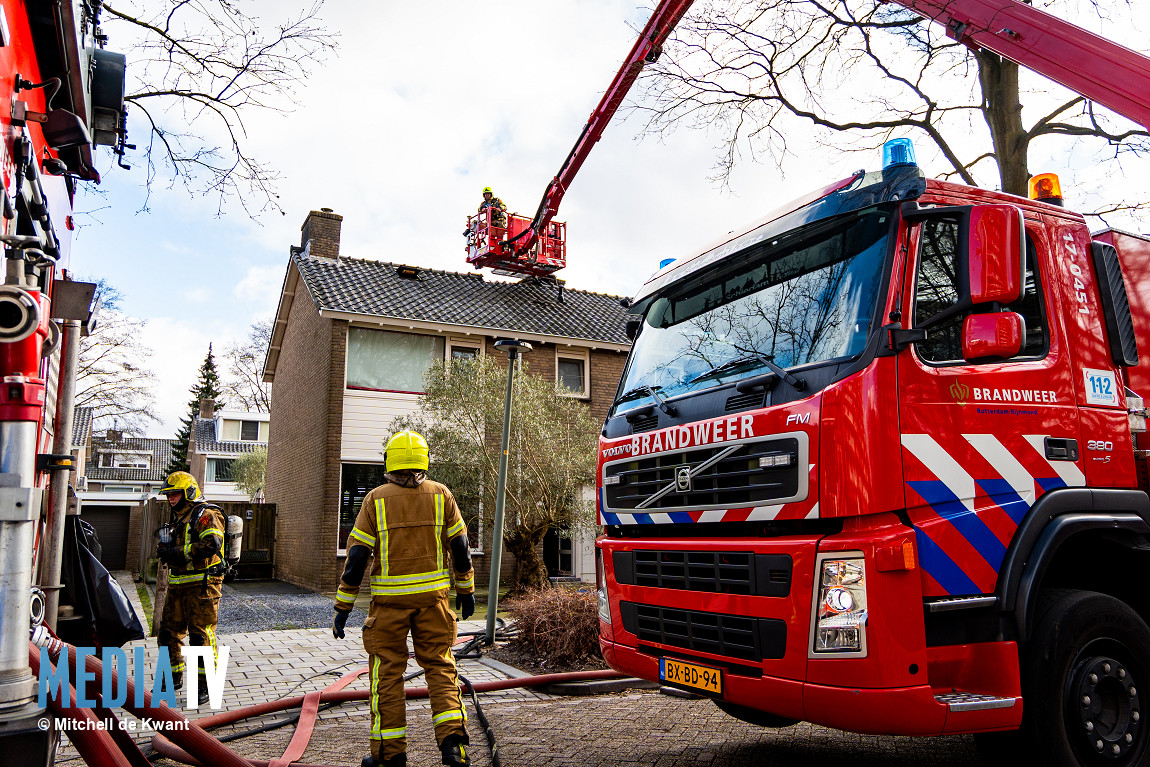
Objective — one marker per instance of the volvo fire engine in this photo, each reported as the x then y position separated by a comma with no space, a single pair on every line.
875,461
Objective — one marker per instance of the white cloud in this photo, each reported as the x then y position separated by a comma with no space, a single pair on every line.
260,288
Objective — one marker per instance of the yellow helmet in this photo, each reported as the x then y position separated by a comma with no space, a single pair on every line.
181,482
487,189
406,450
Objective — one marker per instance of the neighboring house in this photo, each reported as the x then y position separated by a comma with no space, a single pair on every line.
351,342
218,438
117,476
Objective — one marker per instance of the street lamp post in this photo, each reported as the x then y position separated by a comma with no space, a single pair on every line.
513,348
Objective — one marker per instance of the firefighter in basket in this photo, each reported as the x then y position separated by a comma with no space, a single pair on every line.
498,209
413,530
193,552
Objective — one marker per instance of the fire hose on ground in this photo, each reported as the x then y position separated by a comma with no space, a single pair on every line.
188,741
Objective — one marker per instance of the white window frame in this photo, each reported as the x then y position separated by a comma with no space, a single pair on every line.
463,343
574,353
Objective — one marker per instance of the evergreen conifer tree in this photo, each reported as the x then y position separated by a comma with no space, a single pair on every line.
209,386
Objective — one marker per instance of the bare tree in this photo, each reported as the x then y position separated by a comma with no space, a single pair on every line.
552,453
859,72
197,68
244,364
111,376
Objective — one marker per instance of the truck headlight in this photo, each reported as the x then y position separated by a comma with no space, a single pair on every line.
841,609
601,586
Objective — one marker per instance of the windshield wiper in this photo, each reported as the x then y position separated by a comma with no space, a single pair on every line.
649,390
767,361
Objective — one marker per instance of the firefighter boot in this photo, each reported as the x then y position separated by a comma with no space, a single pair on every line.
177,680
399,760
454,753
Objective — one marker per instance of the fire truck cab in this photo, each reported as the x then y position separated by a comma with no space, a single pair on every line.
874,464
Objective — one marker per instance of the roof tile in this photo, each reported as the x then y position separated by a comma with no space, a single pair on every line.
374,288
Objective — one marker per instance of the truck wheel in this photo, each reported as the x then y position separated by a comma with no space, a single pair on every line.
1086,679
754,716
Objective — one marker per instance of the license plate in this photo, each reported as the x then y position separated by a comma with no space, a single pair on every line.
704,679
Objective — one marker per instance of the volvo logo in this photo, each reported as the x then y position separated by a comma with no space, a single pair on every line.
683,479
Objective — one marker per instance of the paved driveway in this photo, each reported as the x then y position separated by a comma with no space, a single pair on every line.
628,730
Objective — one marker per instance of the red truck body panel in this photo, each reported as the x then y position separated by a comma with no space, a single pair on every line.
925,469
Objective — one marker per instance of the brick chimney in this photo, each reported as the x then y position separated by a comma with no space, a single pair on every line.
207,408
320,233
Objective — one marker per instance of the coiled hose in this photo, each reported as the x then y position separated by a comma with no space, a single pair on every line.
191,744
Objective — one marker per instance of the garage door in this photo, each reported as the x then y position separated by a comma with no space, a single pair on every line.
111,523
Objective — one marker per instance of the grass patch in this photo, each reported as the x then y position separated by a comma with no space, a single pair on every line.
146,601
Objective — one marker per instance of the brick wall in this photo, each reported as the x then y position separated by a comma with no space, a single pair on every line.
303,442
321,229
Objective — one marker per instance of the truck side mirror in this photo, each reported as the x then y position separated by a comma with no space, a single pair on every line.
992,336
996,242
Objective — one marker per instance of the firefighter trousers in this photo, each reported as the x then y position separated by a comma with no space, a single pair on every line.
385,639
191,611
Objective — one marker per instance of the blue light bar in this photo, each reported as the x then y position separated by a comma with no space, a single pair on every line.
665,262
896,152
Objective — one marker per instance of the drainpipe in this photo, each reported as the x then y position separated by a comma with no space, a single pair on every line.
61,445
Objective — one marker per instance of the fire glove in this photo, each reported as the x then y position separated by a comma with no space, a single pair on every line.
171,556
339,622
465,603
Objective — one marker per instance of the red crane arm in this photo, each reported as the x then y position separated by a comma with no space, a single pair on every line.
1086,63
646,49
1102,71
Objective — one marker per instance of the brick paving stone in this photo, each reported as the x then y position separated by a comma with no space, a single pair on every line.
533,728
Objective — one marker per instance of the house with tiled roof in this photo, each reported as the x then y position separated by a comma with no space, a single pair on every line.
218,438
117,475
351,342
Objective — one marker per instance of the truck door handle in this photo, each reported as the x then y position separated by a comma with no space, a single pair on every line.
1061,449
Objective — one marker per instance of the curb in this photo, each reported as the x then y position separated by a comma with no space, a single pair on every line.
601,686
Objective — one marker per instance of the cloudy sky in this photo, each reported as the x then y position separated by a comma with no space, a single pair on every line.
398,132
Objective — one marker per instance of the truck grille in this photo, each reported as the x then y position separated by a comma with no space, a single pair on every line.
718,572
735,480
730,636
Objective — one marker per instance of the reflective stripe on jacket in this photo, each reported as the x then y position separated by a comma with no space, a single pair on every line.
408,530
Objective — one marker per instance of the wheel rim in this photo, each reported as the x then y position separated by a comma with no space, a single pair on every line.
1105,702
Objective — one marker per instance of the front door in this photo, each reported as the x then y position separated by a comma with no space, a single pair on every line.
980,441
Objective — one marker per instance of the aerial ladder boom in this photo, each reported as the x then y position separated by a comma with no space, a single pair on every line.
1089,64
646,50
1098,69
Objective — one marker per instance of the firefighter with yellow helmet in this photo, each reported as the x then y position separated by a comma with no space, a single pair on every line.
412,529
194,556
498,209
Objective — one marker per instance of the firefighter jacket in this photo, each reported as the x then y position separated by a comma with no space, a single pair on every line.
498,210
409,531
198,533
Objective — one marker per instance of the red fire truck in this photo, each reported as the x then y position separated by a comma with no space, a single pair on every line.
874,462
63,94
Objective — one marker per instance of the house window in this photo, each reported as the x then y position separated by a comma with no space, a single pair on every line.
356,481
387,361
219,470
123,489
475,532
462,350
571,373
249,431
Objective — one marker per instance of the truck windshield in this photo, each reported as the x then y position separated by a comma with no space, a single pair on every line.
795,300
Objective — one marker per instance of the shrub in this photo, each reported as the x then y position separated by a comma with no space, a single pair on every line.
561,624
